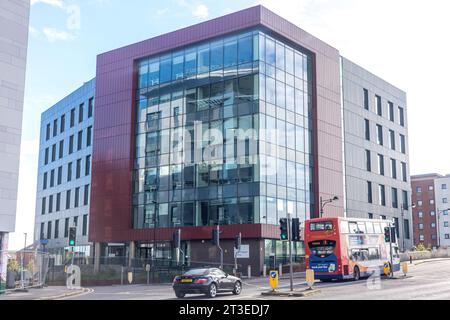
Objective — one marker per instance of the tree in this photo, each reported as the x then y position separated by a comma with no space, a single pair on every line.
13,265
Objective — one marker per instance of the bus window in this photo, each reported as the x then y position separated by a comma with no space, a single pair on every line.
374,254
353,227
321,226
369,226
362,227
344,227
377,228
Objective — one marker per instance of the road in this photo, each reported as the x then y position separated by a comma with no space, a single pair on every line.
425,280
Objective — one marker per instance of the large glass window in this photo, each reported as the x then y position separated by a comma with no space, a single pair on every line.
166,69
216,55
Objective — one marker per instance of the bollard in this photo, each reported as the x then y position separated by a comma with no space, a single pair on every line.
121,277
410,259
264,270
249,270
405,268
280,269
310,278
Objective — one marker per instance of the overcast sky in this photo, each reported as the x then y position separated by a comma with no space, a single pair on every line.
405,42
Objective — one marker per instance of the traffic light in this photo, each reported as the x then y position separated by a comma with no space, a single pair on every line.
72,236
393,234
215,237
238,241
284,229
387,234
176,240
295,229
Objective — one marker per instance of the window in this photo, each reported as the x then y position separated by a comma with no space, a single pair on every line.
66,228
75,221
391,111
68,199
444,200
422,237
405,200
445,224
78,172
433,225
44,184
80,140
403,144
52,178
447,236
80,113
382,195
43,206
394,198
54,152
369,192
393,169
72,117
46,157
383,217
49,230
371,216
401,116
445,212
50,204
404,172
59,181
77,197
419,189
381,164
420,226
86,195
71,144
61,149
430,188
63,123
47,132
419,203
56,229
444,187
420,214
88,165
203,59
368,161
89,137
55,127
392,139
90,107
69,172
58,202
367,129
85,222
366,99
379,134
379,105
432,213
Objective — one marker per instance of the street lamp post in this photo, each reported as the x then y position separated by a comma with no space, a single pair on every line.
325,202
22,269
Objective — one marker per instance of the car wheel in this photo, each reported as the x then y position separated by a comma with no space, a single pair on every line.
212,290
356,274
237,288
180,295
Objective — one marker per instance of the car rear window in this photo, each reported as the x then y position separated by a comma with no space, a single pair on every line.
196,272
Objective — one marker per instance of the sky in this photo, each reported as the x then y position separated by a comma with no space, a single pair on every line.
404,42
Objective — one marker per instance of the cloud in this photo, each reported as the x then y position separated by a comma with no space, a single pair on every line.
54,35
201,11
162,12
54,3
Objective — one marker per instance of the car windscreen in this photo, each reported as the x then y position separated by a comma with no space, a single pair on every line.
196,272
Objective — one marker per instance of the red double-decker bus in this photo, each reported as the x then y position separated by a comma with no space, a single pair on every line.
348,248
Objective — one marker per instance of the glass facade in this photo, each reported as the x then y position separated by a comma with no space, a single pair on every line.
223,134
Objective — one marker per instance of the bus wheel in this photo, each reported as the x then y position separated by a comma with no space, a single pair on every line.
356,274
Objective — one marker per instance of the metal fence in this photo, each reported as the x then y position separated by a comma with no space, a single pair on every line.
23,270
122,270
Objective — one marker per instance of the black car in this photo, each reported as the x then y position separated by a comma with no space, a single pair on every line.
209,281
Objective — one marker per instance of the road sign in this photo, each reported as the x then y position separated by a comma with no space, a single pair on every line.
147,268
44,242
273,279
310,278
243,253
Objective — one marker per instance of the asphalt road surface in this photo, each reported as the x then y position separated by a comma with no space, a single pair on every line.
425,280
